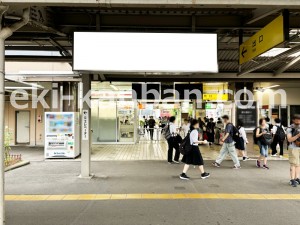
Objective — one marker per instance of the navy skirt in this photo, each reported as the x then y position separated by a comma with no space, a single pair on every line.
194,157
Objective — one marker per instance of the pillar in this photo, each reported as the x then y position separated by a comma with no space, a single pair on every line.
85,142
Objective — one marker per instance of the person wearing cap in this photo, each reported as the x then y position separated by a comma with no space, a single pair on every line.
228,145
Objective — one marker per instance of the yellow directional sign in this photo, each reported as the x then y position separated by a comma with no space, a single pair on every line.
265,39
215,97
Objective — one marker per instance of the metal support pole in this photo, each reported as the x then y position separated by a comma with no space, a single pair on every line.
5,32
86,144
2,149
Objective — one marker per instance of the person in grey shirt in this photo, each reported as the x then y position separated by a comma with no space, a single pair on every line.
228,146
293,137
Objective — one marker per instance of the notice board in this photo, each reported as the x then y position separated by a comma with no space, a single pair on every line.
247,114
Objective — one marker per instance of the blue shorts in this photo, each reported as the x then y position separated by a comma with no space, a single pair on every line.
264,149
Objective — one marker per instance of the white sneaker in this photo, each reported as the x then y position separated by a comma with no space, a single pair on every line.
274,155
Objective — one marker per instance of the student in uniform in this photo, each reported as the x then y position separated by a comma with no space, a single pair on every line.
242,141
194,157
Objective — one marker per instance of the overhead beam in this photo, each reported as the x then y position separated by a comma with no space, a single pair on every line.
11,58
155,3
60,48
273,60
261,13
287,66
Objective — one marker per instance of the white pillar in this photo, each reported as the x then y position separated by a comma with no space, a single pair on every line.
86,144
2,149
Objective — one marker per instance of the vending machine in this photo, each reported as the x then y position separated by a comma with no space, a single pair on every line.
62,135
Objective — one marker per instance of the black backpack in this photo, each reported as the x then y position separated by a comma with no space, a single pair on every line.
255,139
280,133
185,146
235,133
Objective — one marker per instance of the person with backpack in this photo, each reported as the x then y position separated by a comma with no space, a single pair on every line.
171,136
293,137
193,157
263,140
242,140
279,136
228,144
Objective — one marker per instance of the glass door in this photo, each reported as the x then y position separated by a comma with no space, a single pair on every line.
104,121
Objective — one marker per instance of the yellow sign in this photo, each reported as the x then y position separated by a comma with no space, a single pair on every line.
265,39
215,97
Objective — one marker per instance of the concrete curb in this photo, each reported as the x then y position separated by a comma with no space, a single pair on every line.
17,165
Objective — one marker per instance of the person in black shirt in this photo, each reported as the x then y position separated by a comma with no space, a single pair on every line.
210,129
151,124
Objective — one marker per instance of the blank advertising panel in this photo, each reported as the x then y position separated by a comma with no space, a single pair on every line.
145,52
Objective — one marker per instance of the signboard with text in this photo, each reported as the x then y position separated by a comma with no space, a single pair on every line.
85,125
268,37
247,114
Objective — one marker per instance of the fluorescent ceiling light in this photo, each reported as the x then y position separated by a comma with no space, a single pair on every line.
273,86
20,88
274,52
277,51
262,89
114,87
145,52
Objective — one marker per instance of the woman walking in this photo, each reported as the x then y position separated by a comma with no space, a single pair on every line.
263,146
194,157
242,141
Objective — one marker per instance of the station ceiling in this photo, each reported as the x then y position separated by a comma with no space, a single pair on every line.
51,29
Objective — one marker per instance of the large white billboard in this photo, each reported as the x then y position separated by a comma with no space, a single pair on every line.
145,52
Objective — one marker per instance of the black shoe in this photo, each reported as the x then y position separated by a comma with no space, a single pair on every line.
216,164
205,175
298,181
183,176
293,183
266,167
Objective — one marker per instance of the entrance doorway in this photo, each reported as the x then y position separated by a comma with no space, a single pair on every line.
22,127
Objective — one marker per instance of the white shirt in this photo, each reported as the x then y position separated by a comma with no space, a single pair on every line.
194,137
243,134
173,128
274,129
186,128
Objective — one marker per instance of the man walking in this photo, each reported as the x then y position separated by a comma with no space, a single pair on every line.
228,145
278,138
151,123
293,137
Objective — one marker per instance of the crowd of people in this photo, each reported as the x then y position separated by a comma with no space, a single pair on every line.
233,139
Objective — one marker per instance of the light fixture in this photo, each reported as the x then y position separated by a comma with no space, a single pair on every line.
20,88
262,89
113,87
277,51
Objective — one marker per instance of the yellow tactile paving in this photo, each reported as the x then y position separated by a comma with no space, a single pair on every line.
99,197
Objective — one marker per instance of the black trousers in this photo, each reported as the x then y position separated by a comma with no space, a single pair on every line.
274,144
151,129
173,145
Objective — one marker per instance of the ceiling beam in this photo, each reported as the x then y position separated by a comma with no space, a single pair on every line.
261,13
287,66
273,60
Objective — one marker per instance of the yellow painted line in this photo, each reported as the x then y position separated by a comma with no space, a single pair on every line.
173,196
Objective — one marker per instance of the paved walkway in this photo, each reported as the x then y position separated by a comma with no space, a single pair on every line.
150,192
144,150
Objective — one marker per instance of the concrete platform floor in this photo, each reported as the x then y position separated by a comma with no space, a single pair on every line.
144,150
246,196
